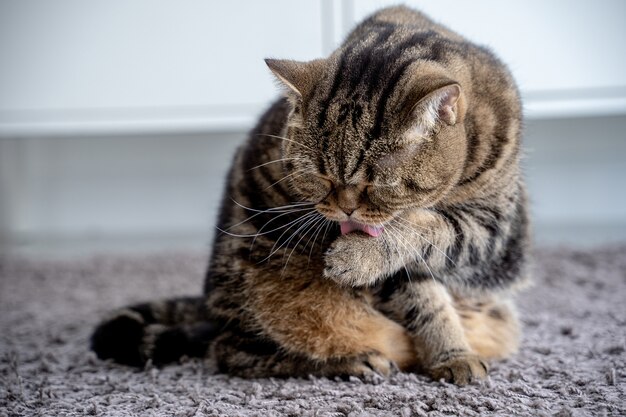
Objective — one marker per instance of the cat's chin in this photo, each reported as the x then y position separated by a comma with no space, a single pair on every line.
350,226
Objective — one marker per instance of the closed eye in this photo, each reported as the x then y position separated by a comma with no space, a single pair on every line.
326,179
384,184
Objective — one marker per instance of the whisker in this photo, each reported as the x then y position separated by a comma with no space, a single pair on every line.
408,275
300,173
396,242
415,251
302,226
285,139
405,242
320,224
279,209
258,233
284,212
409,225
274,162
328,224
273,209
275,249
307,227
280,227
419,226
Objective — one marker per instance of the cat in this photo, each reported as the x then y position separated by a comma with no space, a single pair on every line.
375,220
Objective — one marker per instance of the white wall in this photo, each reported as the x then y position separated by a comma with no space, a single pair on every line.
115,186
118,118
118,66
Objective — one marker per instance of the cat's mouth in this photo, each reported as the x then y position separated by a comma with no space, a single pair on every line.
350,226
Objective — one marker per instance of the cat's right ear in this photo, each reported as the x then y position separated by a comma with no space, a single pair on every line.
445,104
299,78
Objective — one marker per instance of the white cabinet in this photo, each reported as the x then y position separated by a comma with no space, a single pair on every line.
145,65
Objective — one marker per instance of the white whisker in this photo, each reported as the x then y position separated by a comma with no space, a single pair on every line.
285,139
284,212
410,225
258,233
299,173
274,162
396,240
328,224
307,226
302,227
320,224
280,227
415,251
273,209
276,249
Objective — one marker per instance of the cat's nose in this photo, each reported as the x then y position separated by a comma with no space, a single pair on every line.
348,199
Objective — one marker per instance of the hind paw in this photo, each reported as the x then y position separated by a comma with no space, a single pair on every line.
371,365
460,370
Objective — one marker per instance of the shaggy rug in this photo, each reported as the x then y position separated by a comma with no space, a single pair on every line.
571,361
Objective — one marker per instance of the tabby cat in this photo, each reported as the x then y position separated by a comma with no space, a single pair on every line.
376,219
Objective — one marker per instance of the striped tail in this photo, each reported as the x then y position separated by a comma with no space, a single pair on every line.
162,332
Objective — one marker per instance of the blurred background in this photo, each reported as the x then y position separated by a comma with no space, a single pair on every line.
118,119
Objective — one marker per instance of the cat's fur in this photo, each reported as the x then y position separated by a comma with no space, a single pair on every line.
407,128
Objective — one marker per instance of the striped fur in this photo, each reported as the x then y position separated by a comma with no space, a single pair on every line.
409,129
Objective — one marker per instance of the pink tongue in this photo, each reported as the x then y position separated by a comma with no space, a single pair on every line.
349,226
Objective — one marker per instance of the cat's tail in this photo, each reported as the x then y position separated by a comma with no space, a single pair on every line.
162,332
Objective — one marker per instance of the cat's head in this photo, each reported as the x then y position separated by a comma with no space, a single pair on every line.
366,148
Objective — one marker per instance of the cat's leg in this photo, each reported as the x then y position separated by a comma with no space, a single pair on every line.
428,312
335,329
479,245
490,324
250,356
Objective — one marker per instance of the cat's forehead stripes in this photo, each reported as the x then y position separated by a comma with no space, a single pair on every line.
346,67
371,68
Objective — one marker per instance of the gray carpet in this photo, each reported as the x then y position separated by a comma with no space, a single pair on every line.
571,361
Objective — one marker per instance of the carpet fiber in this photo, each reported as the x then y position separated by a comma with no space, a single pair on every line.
571,361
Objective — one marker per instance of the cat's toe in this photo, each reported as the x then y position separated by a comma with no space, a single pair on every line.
351,261
460,370
371,365
344,272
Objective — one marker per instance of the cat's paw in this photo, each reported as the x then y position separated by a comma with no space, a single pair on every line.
353,260
370,365
460,370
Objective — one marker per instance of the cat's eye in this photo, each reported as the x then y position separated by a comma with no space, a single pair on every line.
325,179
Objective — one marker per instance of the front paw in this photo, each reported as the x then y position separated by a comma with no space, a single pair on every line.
354,260
460,370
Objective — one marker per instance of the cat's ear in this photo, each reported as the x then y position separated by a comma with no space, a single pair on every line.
445,104
298,77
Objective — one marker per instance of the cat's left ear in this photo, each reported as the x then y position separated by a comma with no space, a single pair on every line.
445,104
298,77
